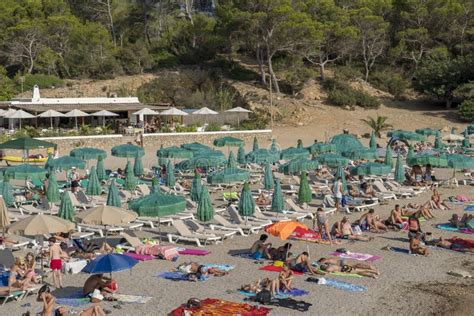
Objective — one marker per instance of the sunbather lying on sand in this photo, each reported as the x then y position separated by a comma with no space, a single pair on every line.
415,247
336,265
265,284
460,222
301,264
442,243
194,270
343,229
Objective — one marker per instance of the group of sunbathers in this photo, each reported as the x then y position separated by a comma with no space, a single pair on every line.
195,271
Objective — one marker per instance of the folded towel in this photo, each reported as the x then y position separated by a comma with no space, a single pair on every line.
137,299
222,267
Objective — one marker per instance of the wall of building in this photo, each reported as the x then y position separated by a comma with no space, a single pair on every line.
221,118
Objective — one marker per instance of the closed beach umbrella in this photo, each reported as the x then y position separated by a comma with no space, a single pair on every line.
373,142
155,185
241,155
399,171
138,167
113,197
231,162
389,157
255,144
24,172
196,187
130,179
170,179
66,209
66,162
304,194
246,202
52,193
41,224
332,160
268,182
7,191
205,210
438,144
127,151
341,174
106,215
4,218
278,204
101,174
428,131
274,146
410,153
228,141
93,186
371,168
112,262
50,114
466,141
88,153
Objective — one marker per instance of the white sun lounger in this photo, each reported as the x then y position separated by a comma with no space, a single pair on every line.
143,189
154,221
383,193
185,234
100,229
201,229
236,218
226,225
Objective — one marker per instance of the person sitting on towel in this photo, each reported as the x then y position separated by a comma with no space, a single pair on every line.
343,229
260,249
372,222
301,264
100,282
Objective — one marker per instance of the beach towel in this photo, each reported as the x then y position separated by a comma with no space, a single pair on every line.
465,243
178,276
293,292
451,228
75,299
222,267
272,268
469,208
218,307
399,250
138,257
193,252
355,256
346,286
136,299
342,274
168,252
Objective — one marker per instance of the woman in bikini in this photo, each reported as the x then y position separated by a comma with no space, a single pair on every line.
437,203
335,265
273,286
343,229
30,264
285,278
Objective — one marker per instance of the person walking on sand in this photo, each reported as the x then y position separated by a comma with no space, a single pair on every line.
55,255
337,192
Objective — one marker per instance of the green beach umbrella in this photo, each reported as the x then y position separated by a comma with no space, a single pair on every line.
373,142
371,168
195,147
246,202
411,153
155,185
428,132
321,148
274,147
228,141
93,186
7,191
255,144
341,174
399,171
127,151
158,204
170,179
231,162
174,152
196,187
346,142
66,162
88,153
299,144
138,167
363,153
438,144
130,179
389,156
50,158
304,194
332,160
406,135
26,143
466,142
298,165
101,174
200,162
458,161
205,210
268,182
294,153
241,155
278,204
423,159
26,171
113,197
66,209
52,193
261,156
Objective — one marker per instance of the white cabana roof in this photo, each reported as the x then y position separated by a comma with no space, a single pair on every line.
173,112
146,111
239,110
76,113
104,113
205,111
20,114
51,113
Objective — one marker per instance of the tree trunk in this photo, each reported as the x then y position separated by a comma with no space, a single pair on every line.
367,70
321,71
272,73
449,102
260,65
111,21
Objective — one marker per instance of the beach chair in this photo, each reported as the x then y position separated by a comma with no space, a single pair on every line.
13,296
295,207
103,230
383,193
226,225
185,234
86,200
143,189
126,195
236,218
365,203
197,227
32,210
398,189
284,216
76,203
275,217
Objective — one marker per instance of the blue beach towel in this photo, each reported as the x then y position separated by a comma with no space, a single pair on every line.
447,227
399,250
293,292
75,299
469,208
178,276
346,286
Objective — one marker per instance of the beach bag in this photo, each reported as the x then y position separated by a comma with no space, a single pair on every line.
278,263
193,303
461,198
264,297
112,285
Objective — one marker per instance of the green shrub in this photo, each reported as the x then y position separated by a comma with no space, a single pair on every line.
341,97
365,100
186,129
252,125
393,83
213,127
466,110
234,70
347,73
43,81
341,94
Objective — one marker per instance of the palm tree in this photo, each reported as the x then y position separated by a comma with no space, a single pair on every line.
378,124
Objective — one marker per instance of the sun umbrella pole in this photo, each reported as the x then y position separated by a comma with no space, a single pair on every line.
51,121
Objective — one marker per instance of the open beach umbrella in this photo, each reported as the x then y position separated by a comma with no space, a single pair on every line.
238,110
278,205
341,174
373,142
113,197
438,144
173,112
268,182
24,172
145,112
108,263
66,162
205,111
241,155
205,210
389,156
346,142
170,178
371,168
246,203
93,186
274,148
304,194
41,224
50,114
138,166
101,174
399,171
106,215
255,144
283,230
174,153
196,187
228,175
228,141
130,179
411,153
428,131
66,209
406,135
458,161
332,160
127,151
201,162
158,204
294,153
52,193
75,114
26,143
298,165
261,156
363,153
7,191
195,147
424,159
4,218
20,115
321,148
88,153
104,114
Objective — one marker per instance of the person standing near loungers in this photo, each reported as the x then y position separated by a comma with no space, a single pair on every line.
55,255
337,192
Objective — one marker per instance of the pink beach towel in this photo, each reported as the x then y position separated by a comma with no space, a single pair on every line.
193,252
168,252
138,257
356,256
